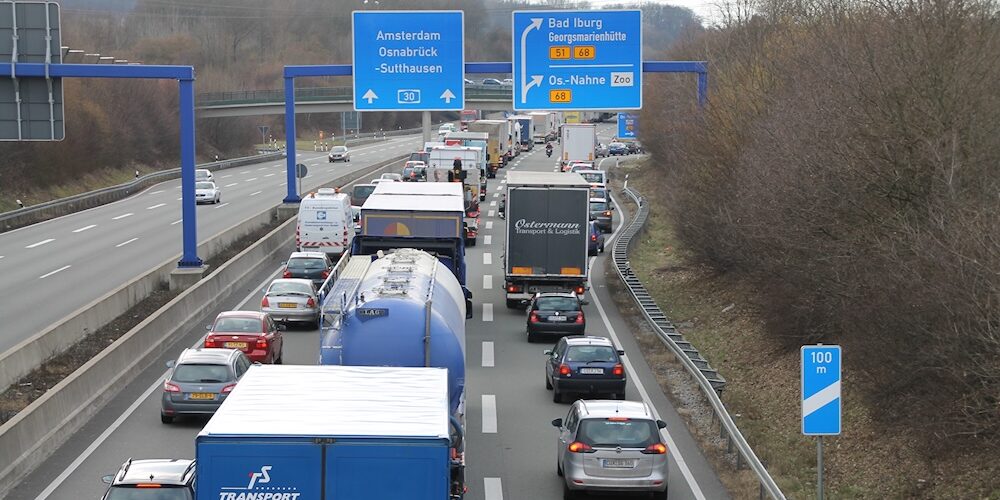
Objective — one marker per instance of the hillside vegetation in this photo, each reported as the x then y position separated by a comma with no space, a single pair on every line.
233,45
847,167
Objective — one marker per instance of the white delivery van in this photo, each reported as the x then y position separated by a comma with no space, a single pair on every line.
325,222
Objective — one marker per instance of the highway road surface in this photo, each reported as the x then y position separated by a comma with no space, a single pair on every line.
510,442
53,268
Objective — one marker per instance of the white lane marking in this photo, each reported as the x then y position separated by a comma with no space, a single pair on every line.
220,206
671,444
122,216
268,175
251,179
489,224
491,213
492,488
225,176
262,168
40,243
125,243
178,187
178,221
231,185
487,281
489,414
84,228
157,192
487,312
278,165
493,203
46,275
255,193
499,188
179,199
487,259
132,408
1,256
487,354
158,205
503,181
488,239
245,172
496,195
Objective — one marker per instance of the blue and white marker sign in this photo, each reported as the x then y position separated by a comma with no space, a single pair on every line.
577,59
409,60
628,125
821,402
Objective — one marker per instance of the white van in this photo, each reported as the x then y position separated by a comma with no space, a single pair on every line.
596,178
325,222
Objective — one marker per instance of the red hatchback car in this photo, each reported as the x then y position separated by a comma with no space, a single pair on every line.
252,332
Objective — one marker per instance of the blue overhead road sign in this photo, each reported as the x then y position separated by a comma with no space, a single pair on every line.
409,60
628,125
821,402
577,59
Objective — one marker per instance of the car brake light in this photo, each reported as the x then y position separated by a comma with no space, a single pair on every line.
578,447
325,273
513,289
564,370
607,213
168,387
579,319
147,485
286,274
533,317
310,302
655,449
264,302
229,388
262,343
210,342
618,370
580,290
593,237
618,419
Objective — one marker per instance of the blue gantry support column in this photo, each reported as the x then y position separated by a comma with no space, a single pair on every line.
702,88
190,224
293,195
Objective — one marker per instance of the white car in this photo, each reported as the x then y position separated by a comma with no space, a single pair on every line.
508,81
207,192
203,174
391,176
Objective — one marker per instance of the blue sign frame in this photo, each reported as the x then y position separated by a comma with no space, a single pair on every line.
628,125
821,397
577,59
408,60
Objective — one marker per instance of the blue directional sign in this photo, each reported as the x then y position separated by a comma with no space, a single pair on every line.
409,60
628,125
821,403
572,59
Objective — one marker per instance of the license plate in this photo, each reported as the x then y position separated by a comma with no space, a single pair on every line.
592,371
287,305
619,463
201,395
235,345
556,319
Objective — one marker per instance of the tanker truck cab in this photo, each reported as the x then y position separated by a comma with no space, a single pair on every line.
325,222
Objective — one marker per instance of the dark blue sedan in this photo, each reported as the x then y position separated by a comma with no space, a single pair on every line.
585,365
617,149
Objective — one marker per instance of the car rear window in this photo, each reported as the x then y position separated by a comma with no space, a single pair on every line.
201,373
288,286
627,433
558,304
204,185
588,353
363,191
306,264
598,205
592,177
238,325
147,493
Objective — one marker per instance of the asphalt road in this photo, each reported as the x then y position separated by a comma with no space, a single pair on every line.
55,267
510,442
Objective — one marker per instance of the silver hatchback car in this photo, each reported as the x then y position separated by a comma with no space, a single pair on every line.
611,446
291,299
199,381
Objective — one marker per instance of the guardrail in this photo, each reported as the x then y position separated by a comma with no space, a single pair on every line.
62,206
708,379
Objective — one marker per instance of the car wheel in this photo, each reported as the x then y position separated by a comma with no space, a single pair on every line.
279,361
548,383
531,340
559,470
568,494
512,304
660,495
471,242
591,253
166,419
556,396
601,250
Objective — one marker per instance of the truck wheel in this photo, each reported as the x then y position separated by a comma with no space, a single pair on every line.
531,340
512,304
471,242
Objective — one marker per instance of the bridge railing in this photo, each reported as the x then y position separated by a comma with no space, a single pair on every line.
473,91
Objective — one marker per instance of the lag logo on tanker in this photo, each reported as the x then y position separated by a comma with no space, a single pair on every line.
254,491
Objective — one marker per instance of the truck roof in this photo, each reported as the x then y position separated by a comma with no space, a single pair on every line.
335,401
423,196
562,179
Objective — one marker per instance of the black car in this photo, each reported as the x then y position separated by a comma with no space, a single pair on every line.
585,365
555,313
152,479
633,147
315,266
595,244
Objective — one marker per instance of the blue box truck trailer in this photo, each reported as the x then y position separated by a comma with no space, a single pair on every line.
330,433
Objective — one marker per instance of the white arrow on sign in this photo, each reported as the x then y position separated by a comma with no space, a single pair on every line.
447,96
536,23
369,96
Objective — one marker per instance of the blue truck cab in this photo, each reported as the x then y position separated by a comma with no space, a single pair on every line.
330,433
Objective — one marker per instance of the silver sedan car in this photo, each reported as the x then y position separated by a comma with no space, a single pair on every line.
291,299
611,446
